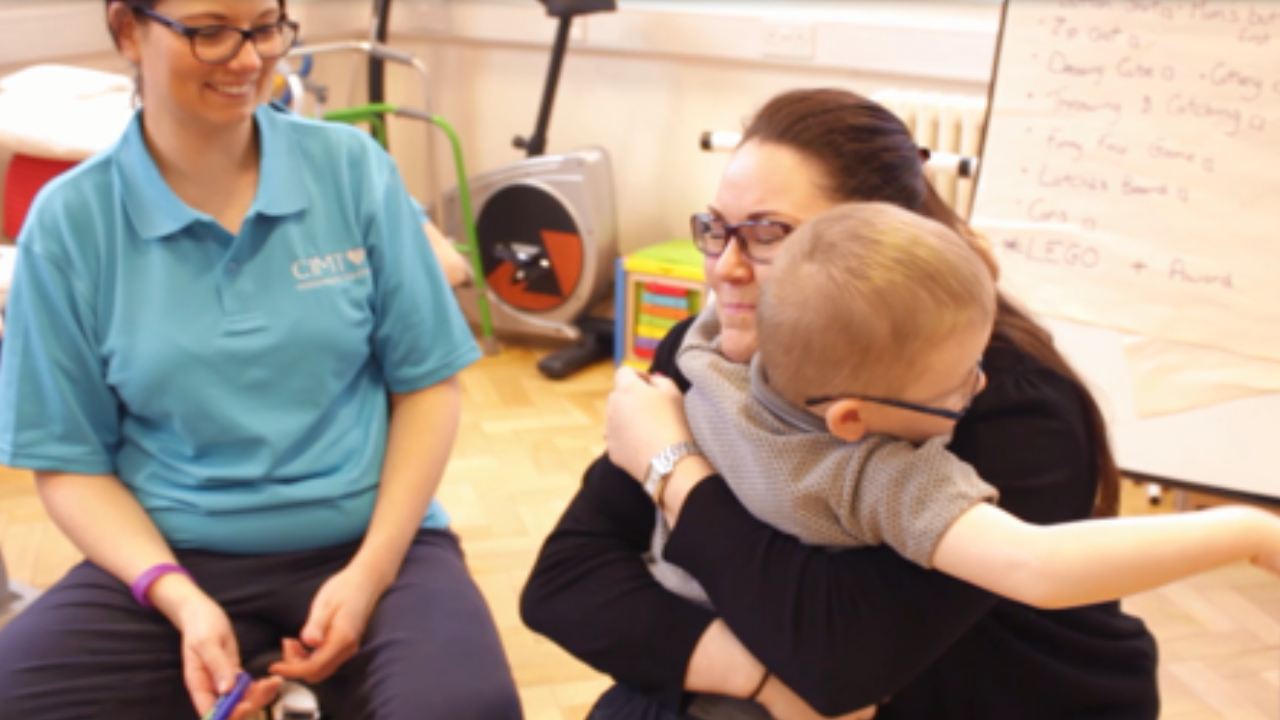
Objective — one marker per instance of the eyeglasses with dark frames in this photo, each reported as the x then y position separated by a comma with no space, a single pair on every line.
936,412
759,240
216,44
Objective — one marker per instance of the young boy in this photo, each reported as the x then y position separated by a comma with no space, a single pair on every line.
871,331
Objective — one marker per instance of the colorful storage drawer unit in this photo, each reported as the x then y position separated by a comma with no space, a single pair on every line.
656,288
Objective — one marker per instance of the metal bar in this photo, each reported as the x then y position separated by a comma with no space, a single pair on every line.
383,52
537,144
489,341
377,67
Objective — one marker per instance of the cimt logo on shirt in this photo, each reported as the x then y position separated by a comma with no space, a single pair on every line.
331,269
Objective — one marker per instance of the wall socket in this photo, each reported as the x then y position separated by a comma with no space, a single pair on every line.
787,40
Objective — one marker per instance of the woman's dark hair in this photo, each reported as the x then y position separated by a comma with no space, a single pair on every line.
869,155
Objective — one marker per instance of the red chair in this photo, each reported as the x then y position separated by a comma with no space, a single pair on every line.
25,177
52,117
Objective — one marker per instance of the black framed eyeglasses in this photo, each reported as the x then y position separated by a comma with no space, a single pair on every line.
936,412
759,240
216,44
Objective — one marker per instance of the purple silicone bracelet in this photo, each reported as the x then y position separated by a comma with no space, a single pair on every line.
143,584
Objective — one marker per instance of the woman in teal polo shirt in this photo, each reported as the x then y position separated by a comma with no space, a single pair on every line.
231,362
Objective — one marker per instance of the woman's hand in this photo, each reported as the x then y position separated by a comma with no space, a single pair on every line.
783,704
339,615
645,414
210,653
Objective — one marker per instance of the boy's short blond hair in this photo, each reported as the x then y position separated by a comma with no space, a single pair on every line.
860,294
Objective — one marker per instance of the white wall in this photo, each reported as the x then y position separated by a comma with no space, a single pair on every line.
643,82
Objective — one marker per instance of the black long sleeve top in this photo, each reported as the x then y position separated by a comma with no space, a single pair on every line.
863,626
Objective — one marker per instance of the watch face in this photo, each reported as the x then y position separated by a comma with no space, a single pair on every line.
662,463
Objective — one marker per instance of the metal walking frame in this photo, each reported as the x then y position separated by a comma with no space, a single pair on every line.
373,114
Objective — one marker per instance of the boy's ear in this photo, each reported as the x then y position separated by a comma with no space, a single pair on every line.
845,421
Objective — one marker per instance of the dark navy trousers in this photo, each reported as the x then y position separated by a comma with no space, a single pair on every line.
86,650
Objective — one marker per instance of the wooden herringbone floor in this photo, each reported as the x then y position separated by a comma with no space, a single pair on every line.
523,445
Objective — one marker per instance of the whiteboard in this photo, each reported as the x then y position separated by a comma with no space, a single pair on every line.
1130,182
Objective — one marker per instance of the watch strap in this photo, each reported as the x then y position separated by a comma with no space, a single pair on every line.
663,465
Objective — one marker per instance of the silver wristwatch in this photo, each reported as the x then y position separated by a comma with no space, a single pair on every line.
663,464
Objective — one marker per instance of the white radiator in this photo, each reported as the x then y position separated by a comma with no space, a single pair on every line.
950,126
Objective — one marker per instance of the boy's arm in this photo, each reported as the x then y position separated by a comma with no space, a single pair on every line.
1092,561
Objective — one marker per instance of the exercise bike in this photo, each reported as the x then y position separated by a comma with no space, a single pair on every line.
546,230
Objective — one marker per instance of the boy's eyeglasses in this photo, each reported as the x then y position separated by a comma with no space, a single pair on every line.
759,240
216,44
936,412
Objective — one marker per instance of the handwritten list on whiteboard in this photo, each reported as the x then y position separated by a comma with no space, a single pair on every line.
1131,173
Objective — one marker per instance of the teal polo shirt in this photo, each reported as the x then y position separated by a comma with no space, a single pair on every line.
237,384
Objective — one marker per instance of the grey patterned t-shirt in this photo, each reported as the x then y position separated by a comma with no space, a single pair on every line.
791,473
